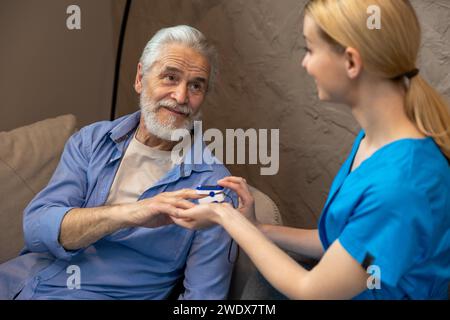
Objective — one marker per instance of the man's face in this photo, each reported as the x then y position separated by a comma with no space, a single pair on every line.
173,90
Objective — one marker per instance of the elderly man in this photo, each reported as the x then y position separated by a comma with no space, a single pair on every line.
100,229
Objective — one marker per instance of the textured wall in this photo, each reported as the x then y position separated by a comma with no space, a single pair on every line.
262,85
48,70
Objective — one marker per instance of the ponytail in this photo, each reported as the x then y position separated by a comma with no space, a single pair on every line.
429,111
388,54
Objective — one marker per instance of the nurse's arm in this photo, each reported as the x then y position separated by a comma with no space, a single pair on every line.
337,276
301,241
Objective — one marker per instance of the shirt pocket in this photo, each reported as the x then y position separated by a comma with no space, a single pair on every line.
165,247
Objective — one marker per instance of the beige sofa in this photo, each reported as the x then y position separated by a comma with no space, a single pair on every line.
28,157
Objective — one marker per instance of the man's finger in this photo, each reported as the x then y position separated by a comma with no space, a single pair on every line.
177,202
183,204
188,194
166,208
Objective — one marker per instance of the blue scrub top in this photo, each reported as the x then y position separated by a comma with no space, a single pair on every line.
393,212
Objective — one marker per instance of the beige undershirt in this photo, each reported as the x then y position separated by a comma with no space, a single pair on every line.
141,167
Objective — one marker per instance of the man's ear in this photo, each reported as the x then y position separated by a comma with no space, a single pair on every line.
138,82
353,63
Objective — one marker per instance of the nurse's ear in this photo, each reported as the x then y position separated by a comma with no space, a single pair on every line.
353,63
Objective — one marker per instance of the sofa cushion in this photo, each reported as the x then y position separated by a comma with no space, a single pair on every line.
28,157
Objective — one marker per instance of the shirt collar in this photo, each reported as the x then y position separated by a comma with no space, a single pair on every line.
122,130
198,158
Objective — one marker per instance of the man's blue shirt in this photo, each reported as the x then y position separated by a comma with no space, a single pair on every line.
132,263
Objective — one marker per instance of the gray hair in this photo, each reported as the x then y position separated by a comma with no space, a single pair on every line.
185,35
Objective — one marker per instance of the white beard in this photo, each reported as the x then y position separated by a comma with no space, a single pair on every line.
149,109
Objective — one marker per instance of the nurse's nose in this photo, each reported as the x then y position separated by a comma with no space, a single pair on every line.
304,61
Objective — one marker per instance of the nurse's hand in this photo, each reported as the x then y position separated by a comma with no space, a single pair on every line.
201,216
246,200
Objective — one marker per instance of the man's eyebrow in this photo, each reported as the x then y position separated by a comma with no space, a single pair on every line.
176,70
172,69
199,79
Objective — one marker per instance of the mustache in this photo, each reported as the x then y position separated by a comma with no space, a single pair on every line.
170,104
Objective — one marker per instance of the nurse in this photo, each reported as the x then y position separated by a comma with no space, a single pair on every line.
384,232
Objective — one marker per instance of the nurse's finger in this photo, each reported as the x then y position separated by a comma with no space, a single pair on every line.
240,188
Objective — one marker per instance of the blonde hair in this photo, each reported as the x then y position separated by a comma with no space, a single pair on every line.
390,52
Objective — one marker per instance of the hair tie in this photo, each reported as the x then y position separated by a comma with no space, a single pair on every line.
410,74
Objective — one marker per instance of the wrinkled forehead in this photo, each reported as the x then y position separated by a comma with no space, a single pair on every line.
184,59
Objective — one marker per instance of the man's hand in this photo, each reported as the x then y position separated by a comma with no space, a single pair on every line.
83,226
155,212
